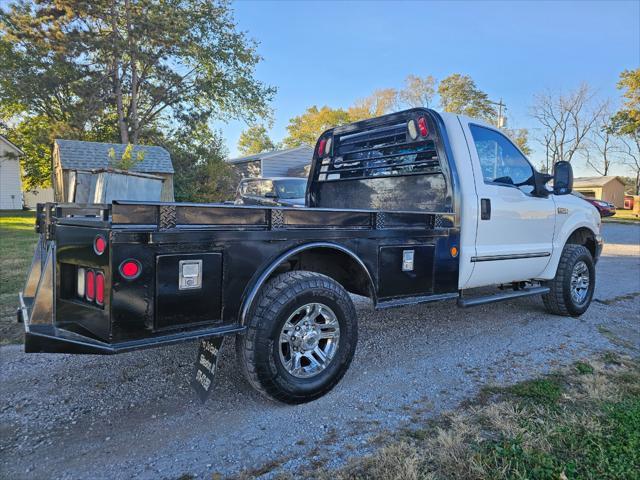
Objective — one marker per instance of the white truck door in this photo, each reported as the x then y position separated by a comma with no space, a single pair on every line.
515,229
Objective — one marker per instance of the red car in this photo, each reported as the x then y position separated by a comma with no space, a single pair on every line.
606,209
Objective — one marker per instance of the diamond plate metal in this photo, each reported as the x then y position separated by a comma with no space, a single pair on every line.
167,217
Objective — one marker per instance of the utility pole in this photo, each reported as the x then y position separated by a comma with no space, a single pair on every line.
502,120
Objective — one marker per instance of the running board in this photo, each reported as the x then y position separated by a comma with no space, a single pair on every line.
500,297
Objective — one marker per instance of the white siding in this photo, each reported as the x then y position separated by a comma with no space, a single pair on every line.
10,183
279,165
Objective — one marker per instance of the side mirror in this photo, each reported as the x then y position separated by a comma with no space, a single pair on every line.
270,195
562,178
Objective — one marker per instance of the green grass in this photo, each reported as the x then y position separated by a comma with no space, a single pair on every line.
17,242
626,216
541,390
583,368
580,423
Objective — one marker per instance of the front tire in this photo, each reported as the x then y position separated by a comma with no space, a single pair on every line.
574,283
300,339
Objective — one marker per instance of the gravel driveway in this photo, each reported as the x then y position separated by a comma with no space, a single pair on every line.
135,415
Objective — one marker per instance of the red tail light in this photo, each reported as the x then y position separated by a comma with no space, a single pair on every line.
321,147
99,244
130,269
422,126
100,288
90,285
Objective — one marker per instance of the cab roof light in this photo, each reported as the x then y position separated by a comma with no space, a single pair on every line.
411,128
422,126
327,147
321,146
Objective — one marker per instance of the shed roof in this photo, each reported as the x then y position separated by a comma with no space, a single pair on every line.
582,182
303,151
78,155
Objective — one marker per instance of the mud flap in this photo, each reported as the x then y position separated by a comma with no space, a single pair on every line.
206,365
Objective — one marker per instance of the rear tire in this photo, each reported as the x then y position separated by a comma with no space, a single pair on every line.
300,339
574,283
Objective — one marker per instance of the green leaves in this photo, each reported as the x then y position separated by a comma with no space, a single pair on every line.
255,140
459,94
123,70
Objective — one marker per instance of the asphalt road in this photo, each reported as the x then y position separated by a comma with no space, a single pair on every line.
135,415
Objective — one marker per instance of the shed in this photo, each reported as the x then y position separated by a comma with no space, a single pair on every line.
71,156
10,178
276,163
609,189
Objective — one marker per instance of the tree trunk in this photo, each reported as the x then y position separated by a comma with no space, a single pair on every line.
133,105
117,84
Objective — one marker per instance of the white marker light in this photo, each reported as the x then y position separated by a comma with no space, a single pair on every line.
81,279
413,130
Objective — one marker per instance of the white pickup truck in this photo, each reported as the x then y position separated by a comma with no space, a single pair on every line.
413,207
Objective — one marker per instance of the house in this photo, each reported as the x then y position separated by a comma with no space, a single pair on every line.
609,188
72,156
10,179
277,163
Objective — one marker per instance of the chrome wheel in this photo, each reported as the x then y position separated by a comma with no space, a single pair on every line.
580,282
309,340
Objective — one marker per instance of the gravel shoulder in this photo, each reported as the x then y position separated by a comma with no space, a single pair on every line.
135,415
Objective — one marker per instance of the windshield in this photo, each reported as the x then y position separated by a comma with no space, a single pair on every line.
294,188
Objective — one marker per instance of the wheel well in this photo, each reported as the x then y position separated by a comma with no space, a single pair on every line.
584,236
333,263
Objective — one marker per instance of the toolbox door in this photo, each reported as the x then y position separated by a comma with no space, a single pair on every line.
189,290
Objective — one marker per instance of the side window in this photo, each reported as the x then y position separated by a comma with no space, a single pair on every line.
501,162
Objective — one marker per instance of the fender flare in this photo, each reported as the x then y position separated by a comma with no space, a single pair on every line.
550,270
256,285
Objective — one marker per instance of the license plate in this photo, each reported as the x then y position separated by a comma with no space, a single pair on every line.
206,364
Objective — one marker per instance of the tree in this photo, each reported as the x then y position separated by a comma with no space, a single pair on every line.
418,92
625,124
202,175
132,68
306,128
378,103
519,136
566,121
601,146
255,140
459,94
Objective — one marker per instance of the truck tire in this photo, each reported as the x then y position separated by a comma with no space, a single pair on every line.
572,288
300,338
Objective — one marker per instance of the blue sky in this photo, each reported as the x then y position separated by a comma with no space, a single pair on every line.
335,52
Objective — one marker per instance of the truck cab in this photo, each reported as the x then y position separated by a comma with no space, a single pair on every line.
412,207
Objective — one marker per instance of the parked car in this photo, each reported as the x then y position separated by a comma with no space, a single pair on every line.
605,209
281,191
407,208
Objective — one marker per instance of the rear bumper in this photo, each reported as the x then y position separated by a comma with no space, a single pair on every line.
47,338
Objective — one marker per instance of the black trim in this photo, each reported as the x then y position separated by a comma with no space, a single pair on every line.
516,256
501,297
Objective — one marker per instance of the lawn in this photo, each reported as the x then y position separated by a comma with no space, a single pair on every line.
623,215
17,242
579,423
